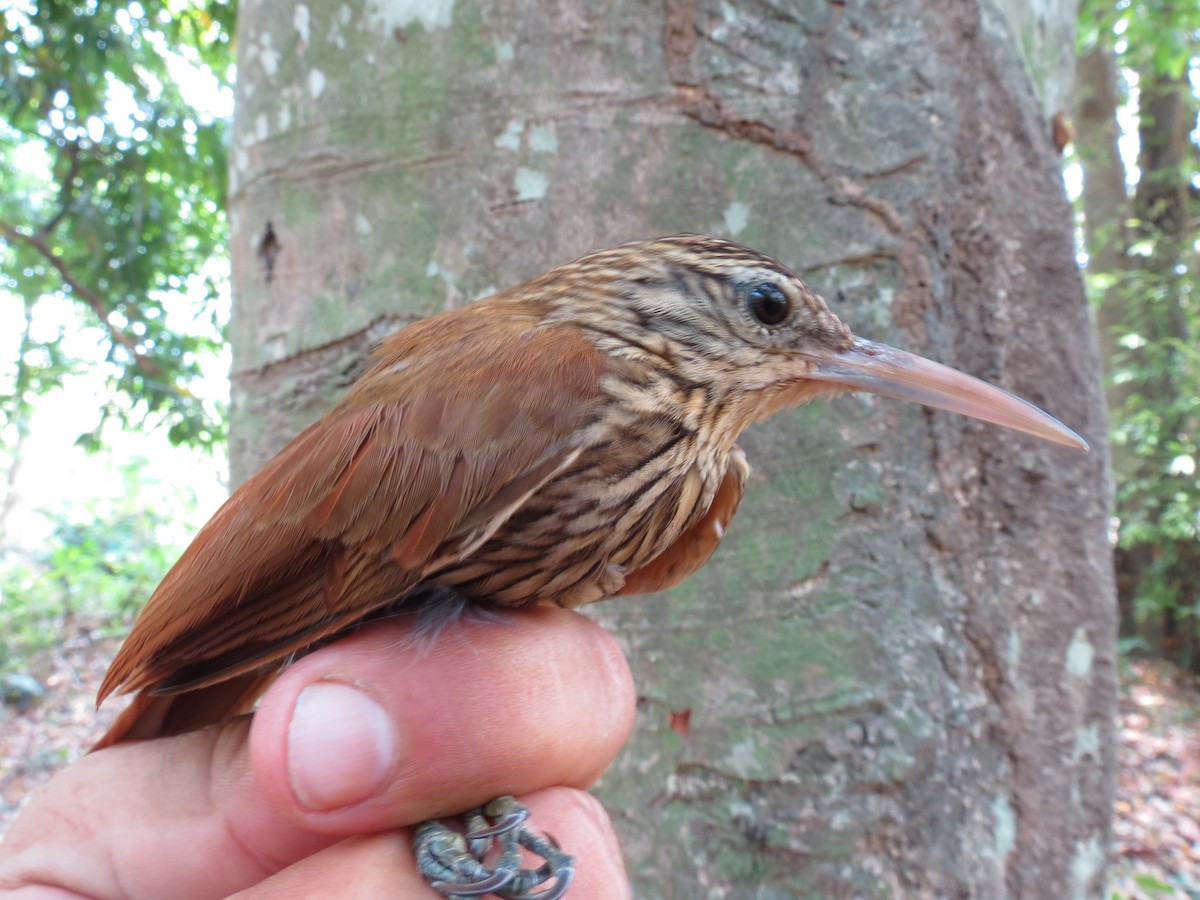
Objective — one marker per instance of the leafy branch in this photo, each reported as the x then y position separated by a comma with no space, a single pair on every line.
91,298
129,180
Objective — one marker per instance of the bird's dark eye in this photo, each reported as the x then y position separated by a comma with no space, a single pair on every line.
768,304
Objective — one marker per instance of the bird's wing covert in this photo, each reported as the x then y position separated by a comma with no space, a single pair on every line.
458,420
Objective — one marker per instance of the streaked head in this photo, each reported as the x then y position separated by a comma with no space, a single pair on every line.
725,312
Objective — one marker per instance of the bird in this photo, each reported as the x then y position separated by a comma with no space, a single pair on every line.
561,442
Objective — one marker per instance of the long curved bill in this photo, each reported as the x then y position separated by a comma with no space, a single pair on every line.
880,369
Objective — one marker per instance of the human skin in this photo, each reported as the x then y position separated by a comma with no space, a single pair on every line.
354,743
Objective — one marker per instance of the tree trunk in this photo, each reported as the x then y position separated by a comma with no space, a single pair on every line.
896,676
1106,204
1107,208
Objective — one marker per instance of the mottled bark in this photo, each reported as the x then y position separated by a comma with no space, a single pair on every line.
899,666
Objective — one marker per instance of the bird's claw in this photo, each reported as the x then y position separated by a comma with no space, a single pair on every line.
508,814
454,863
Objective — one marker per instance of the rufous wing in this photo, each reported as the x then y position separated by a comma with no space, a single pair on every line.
460,418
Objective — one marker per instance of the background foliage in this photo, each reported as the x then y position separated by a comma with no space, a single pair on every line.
112,187
101,561
113,120
1139,62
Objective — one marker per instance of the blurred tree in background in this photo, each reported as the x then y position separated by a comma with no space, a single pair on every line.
112,196
113,121
1137,143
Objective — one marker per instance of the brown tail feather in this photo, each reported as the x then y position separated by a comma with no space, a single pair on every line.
151,715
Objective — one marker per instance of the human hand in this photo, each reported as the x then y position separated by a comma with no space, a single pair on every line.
311,796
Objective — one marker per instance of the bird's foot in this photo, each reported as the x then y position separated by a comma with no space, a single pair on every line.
455,863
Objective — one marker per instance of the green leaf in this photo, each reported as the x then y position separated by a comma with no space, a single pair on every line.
112,192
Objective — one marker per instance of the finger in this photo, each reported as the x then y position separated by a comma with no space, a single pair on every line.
382,865
368,735
579,823
141,820
366,867
460,710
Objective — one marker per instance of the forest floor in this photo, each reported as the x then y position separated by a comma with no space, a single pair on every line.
1156,829
1156,833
